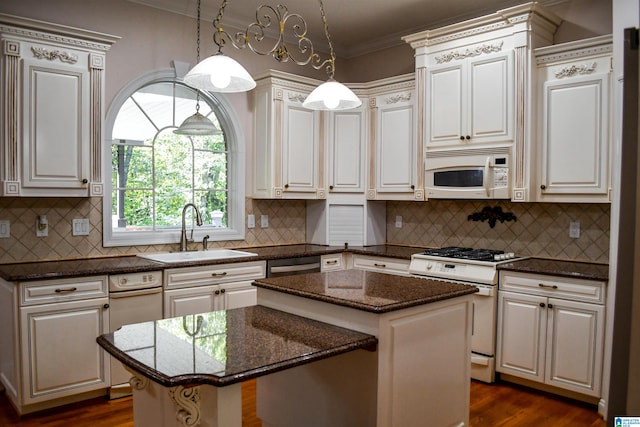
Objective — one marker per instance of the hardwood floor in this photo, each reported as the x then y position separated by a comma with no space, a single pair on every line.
492,405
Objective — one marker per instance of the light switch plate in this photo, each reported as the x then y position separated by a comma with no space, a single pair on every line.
251,221
574,229
5,229
264,221
398,221
80,227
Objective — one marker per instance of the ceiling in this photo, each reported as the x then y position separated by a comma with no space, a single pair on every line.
356,26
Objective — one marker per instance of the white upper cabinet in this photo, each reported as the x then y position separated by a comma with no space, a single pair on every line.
470,100
287,161
53,80
574,120
347,145
474,84
394,155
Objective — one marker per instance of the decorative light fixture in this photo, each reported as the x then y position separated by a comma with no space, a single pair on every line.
197,124
219,73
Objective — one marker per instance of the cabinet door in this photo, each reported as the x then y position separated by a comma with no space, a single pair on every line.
239,294
182,302
490,99
59,349
522,325
56,134
575,136
300,149
574,346
395,148
446,115
347,151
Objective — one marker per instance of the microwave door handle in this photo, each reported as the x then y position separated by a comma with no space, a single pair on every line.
487,184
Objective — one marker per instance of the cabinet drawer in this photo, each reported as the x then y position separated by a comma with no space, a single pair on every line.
59,290
332,262
554,286
213,274
382,264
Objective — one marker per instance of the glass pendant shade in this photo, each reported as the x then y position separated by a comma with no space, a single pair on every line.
332,95
220,73
197,125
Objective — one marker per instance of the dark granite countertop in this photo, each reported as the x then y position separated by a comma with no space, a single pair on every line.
17,272
230,346
578,270
366,290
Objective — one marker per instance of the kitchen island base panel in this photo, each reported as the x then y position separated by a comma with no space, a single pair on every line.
423,362
336,392
202,405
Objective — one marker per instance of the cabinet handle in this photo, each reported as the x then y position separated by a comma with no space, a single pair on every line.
331,187
84,181
217,292
542,304
413,187
461,138
379,265
550,306
223,291
224,273
60,291
286,186
543,187
542,285
467,137
333,261
105,306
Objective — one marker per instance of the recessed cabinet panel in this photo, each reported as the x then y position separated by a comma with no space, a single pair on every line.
491,103
300,172
346,152
396,159
445,102
574,140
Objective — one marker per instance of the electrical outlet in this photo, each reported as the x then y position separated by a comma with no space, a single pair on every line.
251,221
398,221
5,229
264,221
42,226
80,227
574,229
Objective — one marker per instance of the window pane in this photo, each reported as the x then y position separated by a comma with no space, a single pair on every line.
210,170
211,142
214,207
132,124
132,210
132,166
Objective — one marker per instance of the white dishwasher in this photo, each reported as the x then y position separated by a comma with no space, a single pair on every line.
133,298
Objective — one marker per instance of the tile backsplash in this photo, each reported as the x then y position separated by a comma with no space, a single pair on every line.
541,229
286,226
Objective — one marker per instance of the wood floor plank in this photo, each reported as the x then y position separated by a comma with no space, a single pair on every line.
492,405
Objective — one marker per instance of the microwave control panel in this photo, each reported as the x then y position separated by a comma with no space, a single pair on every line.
500,173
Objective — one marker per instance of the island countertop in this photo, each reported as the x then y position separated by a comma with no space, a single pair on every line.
366,290
228,346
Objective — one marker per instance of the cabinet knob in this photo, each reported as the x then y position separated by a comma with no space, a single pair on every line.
461,138
286,186
105,306
331,187
467,137
413,187
217,292
223,291
550,306
542,304
84,181
542,187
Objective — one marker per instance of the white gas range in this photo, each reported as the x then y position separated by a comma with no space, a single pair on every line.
476,267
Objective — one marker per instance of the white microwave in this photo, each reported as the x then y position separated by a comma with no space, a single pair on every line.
473,176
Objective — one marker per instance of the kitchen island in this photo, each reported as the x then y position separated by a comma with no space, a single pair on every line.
304,342
419,375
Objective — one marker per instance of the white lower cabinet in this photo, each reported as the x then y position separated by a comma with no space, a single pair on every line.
332,262
193,290
49,329
552,340
380,264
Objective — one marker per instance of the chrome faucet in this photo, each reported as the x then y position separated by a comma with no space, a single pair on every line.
183,236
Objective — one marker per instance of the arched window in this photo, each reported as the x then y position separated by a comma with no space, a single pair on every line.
154,173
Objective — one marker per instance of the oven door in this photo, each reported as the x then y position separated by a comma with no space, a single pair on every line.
468,177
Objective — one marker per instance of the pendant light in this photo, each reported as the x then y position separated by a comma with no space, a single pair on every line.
197,124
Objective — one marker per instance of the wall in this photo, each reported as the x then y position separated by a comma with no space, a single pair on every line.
154,38
539,230
286,226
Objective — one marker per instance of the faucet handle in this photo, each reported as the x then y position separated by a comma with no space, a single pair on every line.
205,242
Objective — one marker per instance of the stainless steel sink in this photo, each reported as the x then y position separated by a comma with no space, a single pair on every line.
187,256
